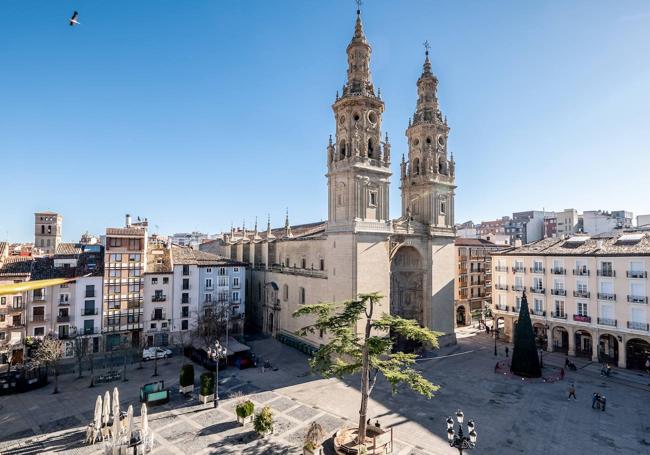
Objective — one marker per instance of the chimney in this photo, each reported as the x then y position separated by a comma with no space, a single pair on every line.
128,220
517,243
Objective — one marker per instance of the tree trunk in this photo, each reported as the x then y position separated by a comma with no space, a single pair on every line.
56,379
80,359
365,380
92,372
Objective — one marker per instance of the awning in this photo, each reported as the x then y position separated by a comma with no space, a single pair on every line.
17,288
235,346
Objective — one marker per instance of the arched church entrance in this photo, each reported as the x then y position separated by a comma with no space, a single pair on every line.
271,309
407,291
638,351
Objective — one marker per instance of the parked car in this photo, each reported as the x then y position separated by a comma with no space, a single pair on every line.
155,352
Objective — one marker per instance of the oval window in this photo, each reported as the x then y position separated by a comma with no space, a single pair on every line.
372,117
342,119
356,117
416,141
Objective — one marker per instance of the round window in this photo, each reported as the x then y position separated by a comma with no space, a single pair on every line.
372,117
416,141
356,117
441,140
428,140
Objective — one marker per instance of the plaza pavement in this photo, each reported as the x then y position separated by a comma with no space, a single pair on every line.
512,416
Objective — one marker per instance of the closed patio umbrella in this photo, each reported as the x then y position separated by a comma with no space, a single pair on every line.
116,404
129,424
97,421
106,417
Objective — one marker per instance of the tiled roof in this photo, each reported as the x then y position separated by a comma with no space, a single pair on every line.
68,249
187,255
158,258
133,231
16,265
3,249
475,242
602,245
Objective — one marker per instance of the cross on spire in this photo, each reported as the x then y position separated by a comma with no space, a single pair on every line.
359,3
427,46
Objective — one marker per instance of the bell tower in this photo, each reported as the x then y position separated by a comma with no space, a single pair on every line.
428,177
358,161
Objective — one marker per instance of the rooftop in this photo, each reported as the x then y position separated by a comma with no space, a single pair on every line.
610,244
69,249
185,255
475,242
131,231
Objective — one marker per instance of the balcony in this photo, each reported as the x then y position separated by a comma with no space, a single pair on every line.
38,318
501,287
535,290
638,326
158,298
637,299
63,318
603,272
17,306
499,268
538,313
609,322
558,292
605,296
521,269
518,288
89,312
16,324
500,307
90,294
581,318
583,294
558,271
158,316
636,274
38,297
558,315
64,302
537,270
298,271
581,272
89,331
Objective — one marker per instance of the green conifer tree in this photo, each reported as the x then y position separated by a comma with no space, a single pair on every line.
525,361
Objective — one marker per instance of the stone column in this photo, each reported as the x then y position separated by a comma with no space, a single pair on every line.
549,338
594,347
622,354
572,342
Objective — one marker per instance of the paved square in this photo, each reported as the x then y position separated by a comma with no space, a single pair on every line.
512,416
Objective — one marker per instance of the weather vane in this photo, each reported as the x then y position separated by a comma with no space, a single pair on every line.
359,3
427,46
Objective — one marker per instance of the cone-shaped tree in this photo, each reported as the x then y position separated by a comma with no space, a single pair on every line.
525,361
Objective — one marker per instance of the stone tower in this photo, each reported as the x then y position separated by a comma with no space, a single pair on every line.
47,231
427,179
358,162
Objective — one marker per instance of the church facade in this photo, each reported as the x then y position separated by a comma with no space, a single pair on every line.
359,249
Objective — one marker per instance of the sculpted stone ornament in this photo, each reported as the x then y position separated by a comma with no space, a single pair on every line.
387,150
355,142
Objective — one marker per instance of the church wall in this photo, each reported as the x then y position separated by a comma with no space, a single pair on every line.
373,267
442,288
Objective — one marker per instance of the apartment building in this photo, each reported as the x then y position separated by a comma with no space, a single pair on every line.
158,293
473,288
598,221
205,282
124,269
13,269
588,296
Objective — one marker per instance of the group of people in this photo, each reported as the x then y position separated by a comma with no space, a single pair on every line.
598,401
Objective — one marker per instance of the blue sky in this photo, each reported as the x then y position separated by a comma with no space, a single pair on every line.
198,113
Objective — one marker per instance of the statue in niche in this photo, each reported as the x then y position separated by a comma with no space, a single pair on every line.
355,142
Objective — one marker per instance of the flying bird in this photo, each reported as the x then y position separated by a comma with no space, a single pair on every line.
73,20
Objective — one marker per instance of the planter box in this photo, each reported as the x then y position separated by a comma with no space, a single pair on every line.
205,399
186,389
244,420
317,451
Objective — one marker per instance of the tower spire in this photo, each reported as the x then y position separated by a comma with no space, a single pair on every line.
427,63
287,226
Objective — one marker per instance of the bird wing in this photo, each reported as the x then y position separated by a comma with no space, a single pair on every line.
74,15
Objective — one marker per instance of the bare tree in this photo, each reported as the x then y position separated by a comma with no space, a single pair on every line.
80,353
211,324
50,352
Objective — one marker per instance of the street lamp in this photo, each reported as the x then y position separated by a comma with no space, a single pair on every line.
495,329
216,353
459,440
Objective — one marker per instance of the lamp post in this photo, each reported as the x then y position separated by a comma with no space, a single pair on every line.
459,440
217,353
495,329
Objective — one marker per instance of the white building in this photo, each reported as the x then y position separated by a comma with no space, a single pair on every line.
598,221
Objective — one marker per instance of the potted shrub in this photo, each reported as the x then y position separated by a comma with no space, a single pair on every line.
206,394
187,379
314,440
244,411
263,422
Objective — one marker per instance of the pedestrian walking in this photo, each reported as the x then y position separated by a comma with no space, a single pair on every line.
561,373
487,329
603,401
594,400
507,350
496,367
647,365
572,392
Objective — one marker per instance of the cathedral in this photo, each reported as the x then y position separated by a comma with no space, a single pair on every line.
359,249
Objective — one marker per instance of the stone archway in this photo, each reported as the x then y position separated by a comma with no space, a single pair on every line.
407,289
560,339
271,309
461,316
541,337
583,344
608,349
637,352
